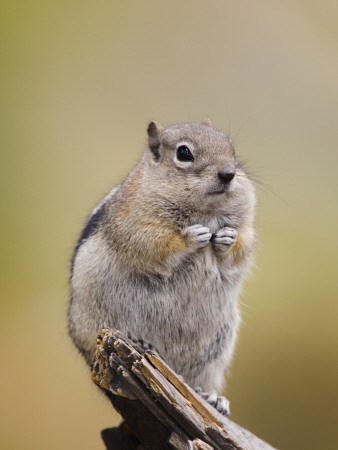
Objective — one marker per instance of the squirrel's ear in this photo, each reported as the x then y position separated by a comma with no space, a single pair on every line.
154,138
207,122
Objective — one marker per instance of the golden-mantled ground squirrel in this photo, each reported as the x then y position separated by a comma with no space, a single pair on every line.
163,256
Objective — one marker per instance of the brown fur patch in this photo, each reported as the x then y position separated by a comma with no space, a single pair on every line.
243,244
165,244
175,243
152,241
130,196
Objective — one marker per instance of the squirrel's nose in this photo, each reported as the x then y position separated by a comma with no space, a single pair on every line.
226,176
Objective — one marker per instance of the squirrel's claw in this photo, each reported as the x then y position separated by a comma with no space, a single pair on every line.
224,238
199,234
218,401
143,344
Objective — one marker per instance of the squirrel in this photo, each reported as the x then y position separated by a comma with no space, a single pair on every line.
163,256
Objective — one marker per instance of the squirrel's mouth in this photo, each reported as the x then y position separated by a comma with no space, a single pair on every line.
217,191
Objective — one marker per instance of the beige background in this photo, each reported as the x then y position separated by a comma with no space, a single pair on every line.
79,82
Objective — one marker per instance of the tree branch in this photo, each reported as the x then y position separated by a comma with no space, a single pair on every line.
159,409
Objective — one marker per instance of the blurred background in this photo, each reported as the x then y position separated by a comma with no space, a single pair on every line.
80,80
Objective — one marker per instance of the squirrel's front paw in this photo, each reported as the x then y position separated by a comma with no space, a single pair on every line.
224,238
199,235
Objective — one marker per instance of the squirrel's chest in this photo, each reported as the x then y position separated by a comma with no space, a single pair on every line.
203,268
199,307
201,285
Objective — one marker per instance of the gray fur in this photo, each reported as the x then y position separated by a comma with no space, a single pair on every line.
186,304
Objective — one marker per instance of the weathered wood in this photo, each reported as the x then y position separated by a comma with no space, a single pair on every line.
159,409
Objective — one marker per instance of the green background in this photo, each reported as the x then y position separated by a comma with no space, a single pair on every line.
79,82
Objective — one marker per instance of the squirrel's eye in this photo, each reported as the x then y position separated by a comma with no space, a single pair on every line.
184,154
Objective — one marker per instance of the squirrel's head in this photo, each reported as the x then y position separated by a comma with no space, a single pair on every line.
195,160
